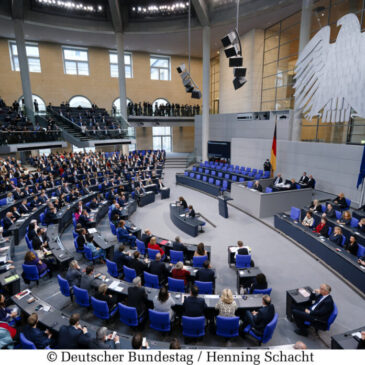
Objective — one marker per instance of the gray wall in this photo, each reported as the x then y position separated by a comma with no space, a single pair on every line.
334,166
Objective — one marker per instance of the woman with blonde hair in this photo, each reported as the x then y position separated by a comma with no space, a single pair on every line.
226,304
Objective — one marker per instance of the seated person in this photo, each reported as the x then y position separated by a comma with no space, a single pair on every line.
308,220
124,235
163,302
194,306
138,265
31,259
137,296
87,279
104,341
361,261
81,238
183,203
340,202
315,206
73,274
6,314
109,298
121,258
200,250
259,283
336,236
346,218
241,249
175,344
317,313
41,339
51,215
35,203
191,212
278,180
226,304
96,251
257,186
73,336
85,220
137,342
158,268
146,237
9,198
15,212
40,241
93,204
154,246
177,245
7,223
178,272
205,274
311,182
322,228
361,225
352,246
23,207
330,212
261,318
303,179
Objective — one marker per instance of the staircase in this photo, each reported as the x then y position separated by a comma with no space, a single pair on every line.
176,161
71,130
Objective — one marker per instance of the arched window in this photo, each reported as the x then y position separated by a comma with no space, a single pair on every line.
79,100
159,102
116,103
40,101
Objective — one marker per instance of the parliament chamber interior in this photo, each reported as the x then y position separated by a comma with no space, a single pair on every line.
182,174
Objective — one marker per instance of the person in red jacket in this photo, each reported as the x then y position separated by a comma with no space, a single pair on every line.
178,272
154,246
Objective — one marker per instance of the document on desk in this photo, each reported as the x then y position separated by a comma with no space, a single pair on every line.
173,205
304,292
182,215
357,335
92,230
115,286
3,259
211,296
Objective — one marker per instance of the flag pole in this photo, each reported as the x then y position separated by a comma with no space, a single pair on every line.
362,194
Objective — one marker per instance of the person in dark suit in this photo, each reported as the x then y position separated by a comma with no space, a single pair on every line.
361,345
317,313
340,202
103,341
40,240
337,236
352,246
102,294
311,183
191,212
81,239
87,279
259,319
138,265
73,275
73,336
205,274
7,223
41,339
23,208
146,237
158,268
137,296
303,179
257,186
121,258
84,219
183,203
330,212
51,215
194,306
179,246
277,180
259,283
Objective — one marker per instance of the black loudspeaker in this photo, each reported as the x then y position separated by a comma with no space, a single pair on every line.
179,69
236,62
189,88
239,72
231,52
228,39
196,94
239,82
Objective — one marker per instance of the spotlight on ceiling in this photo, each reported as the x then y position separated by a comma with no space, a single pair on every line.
189,84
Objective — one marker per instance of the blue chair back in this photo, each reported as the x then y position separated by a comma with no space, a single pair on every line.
361,251
129,274
213,173
250,184
295,213
176,256
198,261
268,190
262,291
152,253
76,246
151,281
186,173
269,329
348,202
88,254
29,242
128,315
74,222
113,229
329,231
141,247
193,326
354,222
241,179
64,286
243,261
198,176
3,201
25,344
75,234
100,308
227,327
343,240
81,297
338,214
204,287
112,268
31,272
41,217
220,174
192,174
332,317
226,176
234,178
205,178
211,180
218,182
177,285
160,321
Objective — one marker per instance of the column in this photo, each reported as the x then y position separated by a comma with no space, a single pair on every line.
121,78
304,36
206,92
24,68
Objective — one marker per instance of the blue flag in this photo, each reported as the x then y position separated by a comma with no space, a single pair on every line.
362,170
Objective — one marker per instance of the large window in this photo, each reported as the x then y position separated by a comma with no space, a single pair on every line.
77,101
75,61
162,138
32,51
160,68
113,58
116,104
40,102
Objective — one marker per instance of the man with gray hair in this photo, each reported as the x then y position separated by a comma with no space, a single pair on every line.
178,245
137,296
317,314
157,267
73,275
103,340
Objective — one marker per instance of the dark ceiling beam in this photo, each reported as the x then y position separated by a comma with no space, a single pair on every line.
117,15
17,9
201,11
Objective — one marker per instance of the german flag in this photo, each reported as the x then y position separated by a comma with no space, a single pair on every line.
273,151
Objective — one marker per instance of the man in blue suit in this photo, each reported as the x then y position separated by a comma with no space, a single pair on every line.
124,236
193,305
41,339
73,336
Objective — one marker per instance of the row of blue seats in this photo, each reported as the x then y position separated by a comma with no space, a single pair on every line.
222,184
231,168
295,215
260,174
